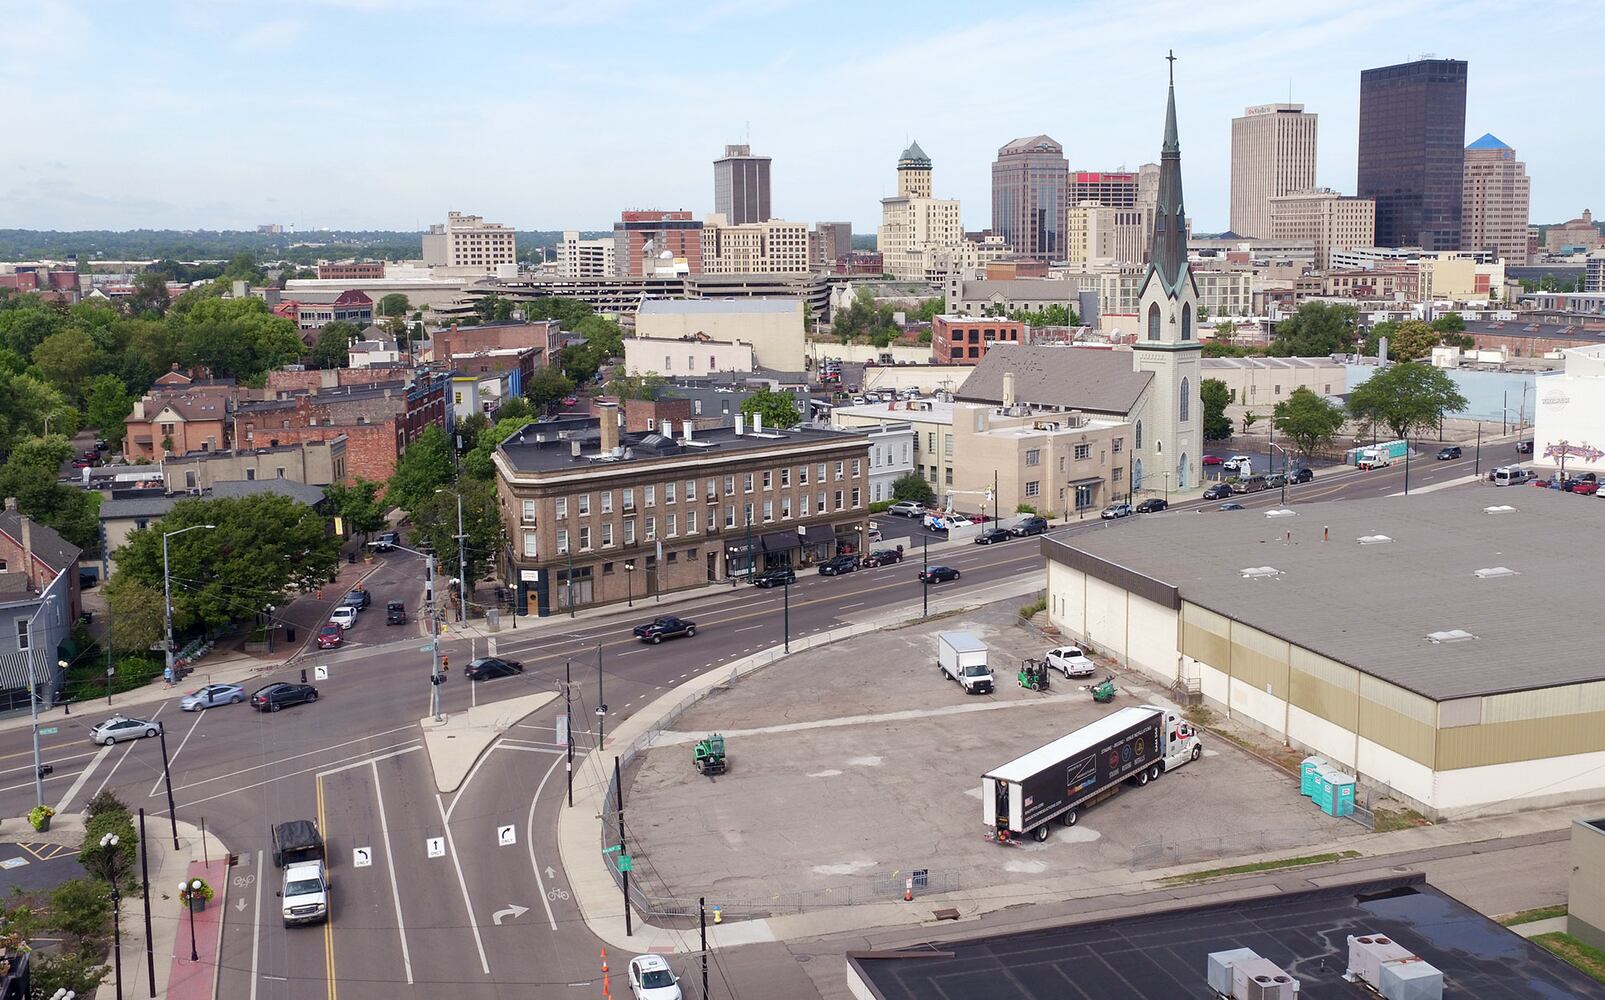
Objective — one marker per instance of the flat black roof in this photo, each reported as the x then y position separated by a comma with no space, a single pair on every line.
1166,954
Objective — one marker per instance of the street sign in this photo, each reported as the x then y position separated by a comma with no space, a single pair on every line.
625,863
320,672
562,730
362,857
426,647
48,731
436,847
505,837
611,850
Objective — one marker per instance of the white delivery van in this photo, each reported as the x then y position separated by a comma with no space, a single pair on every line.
962,657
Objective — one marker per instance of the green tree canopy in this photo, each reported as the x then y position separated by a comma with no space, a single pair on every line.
423,468
358,506
547,388
136,608
1318,328
235,337
1412,340
477,463
65,359
1406,396
515,408
779,409
913,486
436,520
107,404
1216,397
29,475
566,311
1309,421
333,349
394,304
644,387
262,550
1449,323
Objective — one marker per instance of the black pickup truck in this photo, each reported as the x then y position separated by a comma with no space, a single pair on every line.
667,627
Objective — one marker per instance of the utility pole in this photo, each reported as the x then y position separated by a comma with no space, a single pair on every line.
462,563
1477,467
624,871
33,707
702,914
434,637
750,559
167,779
785,591
925,584
601,706
1407,465
570,554
568,713
167,600
144,880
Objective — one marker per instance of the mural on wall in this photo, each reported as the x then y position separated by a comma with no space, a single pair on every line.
1565,449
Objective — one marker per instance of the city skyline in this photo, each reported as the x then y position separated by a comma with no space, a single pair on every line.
391,124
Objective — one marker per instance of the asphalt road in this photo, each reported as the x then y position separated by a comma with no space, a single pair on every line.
490,916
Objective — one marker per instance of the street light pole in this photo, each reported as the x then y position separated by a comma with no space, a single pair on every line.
462,564
434,637
108,845
1476,468
925,584
167,599
568,713
786,598
33,707
185,887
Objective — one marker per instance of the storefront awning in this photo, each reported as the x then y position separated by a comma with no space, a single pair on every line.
1088,481
781,541
820,534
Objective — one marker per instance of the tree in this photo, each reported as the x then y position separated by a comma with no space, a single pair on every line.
436,521
75,972
29,475
515,408
477,463
1318,328
493,309
423,468
150,294
1449,323
358,505
1216,397
394,304
234,337
243,267
547,388
136,608
1224,330
1309,421
333,349
107,404
1412,340
65,359
1373,337
779,409
1406,396
81,909
642,387
929,309
912,486
566,311
261,550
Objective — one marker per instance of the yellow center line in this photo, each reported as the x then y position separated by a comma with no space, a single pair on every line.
328,923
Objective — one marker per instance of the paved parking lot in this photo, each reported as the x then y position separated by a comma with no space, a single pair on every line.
860,761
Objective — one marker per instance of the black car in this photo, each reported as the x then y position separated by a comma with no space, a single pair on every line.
837,565
777,577
1220,491
1524,447
937,574
1030,526
882,557
395,613
486,667
387,540
1301,476
667,627
276,696
1451,452
1152,505
991,535
357,598
1231,506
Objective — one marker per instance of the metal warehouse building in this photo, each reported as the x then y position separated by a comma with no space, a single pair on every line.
1444,647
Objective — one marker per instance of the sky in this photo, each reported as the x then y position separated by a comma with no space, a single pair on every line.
555,114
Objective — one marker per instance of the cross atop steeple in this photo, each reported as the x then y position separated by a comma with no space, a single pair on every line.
1170,57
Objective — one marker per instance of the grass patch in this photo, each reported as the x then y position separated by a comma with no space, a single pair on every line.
1193,878
1535,914
1401,819
1587,959
1199,715
1028,611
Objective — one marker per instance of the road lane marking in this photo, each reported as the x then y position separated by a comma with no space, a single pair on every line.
390,862
529,838
83,776
328,923
849,607
54,760
405,748
630,652
309,753
503,745
468,903
356,761
256,926
196,725
749,628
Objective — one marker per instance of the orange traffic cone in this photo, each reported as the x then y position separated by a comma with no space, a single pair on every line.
607,986
908,889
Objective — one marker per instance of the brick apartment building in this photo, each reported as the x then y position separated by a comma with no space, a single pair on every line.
603,515
963,340
50,284
675,232
352,270
314,462
181,413
543,336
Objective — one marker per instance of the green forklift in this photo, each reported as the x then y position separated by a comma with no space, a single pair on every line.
708,755
1104,692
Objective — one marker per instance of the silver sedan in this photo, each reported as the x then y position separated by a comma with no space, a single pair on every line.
119,728
211,696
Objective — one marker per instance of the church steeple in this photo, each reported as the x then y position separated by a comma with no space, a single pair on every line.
1168,253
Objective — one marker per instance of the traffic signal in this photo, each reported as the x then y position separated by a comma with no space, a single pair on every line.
437,678
45,770
445,663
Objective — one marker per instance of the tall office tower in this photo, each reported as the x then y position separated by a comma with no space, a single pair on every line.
915,226
1029,182
1494,216
1412,151
1116,189
914,173
1273,153
831,242
741,186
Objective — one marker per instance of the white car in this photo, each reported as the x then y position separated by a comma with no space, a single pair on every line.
652,979
907,508
119,728
1071,661
344,616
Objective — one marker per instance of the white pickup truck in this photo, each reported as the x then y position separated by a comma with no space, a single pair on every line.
962,657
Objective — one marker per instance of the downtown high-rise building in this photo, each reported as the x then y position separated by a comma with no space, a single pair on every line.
1114,189
1412,151
741,186
1273,154
1495,201
1029,186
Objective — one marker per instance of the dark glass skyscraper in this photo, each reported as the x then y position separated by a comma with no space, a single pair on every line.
741,186
1412,151
1029,183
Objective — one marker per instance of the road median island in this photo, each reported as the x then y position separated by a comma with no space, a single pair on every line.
461,738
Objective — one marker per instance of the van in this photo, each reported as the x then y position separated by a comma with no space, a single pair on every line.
1250,484
1511,475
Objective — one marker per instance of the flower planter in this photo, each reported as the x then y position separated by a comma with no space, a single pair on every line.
198,904
43,826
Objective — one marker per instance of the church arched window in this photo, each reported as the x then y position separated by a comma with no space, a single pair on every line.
1187,321
1139,435
1153,321
1185,409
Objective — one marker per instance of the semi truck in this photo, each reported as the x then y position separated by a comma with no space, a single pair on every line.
1058,781
962,657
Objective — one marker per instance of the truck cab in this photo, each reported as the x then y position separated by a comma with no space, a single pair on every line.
1181,743
961,657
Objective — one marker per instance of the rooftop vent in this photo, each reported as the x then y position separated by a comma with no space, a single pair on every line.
1503,508
1374,539
1490,572
1257,572
1452,635
1281,512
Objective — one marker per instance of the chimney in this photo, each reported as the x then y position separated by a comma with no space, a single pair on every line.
667,428
27,546
609,417
685,429
741,424
757,423
1008,390
574,448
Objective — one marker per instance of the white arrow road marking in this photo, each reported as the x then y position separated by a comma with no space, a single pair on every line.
239,904
550,873
513,911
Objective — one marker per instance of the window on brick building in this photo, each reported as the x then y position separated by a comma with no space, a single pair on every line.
562,541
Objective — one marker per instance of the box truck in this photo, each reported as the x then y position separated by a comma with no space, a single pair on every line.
962,657
1074,772
1380,456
